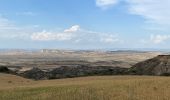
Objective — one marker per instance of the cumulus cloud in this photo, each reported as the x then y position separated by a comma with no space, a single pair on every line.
76,35
73,34
74,28
68,34
155,11
104,4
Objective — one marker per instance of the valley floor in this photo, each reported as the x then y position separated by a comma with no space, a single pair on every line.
86,88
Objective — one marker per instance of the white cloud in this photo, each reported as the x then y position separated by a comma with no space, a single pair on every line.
76,35
48,36
157,39
104,4
74,28
68,34
73,34
155,11
8,30
5,24
109,38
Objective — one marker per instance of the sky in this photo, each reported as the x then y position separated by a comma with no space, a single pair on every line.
84,24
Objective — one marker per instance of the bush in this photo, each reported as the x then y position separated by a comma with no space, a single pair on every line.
4,69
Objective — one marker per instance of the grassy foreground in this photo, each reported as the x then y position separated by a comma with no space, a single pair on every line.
86,88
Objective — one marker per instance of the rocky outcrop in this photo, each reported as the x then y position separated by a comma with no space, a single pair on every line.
35,74
83,70
159,65
72,71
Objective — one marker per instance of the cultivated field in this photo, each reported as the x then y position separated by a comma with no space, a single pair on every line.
86,88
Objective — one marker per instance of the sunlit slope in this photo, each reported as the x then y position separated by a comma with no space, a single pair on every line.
86,88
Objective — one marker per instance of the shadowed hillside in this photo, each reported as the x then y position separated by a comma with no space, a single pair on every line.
159,65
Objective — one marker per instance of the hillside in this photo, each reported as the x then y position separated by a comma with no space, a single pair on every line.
159,65
86,88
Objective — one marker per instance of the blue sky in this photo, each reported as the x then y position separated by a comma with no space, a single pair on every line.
84,24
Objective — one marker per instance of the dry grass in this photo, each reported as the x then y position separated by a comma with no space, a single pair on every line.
86,88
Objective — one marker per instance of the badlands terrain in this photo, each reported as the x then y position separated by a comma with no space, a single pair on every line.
55,64
86,75
22,60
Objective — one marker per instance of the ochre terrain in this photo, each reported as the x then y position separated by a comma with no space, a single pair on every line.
86,88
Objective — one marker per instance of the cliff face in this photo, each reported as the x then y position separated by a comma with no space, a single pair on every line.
159,65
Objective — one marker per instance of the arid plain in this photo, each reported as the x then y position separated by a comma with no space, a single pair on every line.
109,87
